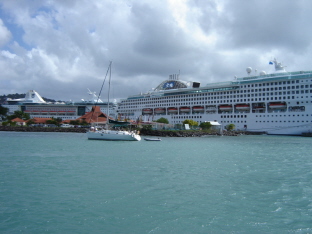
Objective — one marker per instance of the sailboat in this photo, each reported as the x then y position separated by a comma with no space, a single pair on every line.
108,134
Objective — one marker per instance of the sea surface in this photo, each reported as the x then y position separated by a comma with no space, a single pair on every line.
64,183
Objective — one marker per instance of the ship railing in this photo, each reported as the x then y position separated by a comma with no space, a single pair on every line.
299,74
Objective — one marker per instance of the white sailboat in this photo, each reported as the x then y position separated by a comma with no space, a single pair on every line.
112,135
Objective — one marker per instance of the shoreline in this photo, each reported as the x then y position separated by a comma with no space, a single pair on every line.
143,132
192,133
41,129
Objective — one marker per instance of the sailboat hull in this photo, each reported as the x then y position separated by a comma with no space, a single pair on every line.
110,135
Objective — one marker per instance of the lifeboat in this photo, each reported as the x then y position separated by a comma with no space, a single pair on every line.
159,110
259,107
242,106
277,105
198,108
172,110
185,109
210,107
225,107
147,111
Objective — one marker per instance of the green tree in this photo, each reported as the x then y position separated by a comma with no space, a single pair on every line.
58,121
83,122
74,122
6,123
3,112
50,121
30,121
162,120
190,122
230,127
147,127
205,125
19,114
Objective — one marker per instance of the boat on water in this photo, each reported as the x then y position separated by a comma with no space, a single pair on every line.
108,134
278,103
113,135
152,139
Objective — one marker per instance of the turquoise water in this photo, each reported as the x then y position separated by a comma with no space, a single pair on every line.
64,183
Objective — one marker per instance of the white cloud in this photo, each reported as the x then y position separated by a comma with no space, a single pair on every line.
5,34
7,54
61,48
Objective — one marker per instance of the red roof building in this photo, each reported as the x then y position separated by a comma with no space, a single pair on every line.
19,121
95,116
41,120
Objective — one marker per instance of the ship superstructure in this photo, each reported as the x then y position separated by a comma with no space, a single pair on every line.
36,107
277,103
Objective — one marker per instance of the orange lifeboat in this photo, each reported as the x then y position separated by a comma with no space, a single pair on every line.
172,110
185,109
225,107
242,107
159,110
259,108
277,105
147,111
198,108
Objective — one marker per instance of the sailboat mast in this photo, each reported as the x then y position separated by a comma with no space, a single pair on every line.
109,83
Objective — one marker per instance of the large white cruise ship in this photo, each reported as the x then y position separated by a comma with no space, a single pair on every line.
277,103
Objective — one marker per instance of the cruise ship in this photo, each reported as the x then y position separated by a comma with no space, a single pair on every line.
36,107
279,103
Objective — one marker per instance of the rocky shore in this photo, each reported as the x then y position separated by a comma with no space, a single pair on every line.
144,132
190,133
41,129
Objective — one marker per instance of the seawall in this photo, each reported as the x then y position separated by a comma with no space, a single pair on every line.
41,129
190,133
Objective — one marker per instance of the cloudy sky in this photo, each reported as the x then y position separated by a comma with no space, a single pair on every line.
62,47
